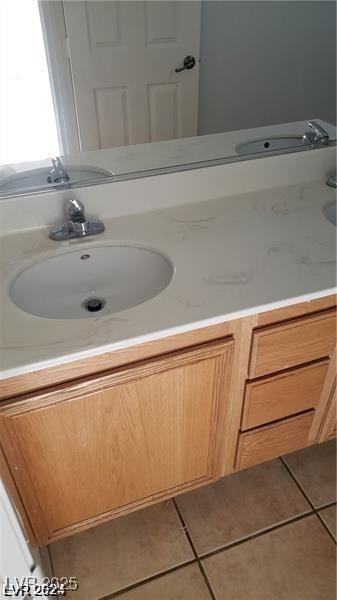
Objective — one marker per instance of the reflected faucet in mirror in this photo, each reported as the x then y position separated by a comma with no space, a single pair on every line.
58,174
318,134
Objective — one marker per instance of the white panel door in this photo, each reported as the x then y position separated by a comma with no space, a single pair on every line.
123,57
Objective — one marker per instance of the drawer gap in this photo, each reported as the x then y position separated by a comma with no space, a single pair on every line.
277,421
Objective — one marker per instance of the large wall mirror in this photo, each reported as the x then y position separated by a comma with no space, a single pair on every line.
99,88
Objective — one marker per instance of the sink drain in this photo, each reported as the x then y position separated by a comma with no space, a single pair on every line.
93,304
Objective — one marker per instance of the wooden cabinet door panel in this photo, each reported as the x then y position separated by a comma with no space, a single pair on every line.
136,435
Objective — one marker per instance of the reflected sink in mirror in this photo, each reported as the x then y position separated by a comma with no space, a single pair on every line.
90,282
272,144
330,212
39,177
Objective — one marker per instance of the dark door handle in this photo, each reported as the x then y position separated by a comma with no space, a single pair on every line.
189,62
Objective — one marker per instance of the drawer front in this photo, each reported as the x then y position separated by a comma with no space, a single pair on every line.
259,445
293,343
283,395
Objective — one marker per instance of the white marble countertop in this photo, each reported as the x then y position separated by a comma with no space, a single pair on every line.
234,256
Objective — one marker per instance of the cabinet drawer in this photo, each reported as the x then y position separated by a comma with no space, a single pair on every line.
280,396
257,446
292,343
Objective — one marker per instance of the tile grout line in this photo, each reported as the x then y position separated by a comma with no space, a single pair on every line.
316,510
327,505
141,582
200,565
320,518
258,534
198,559
299,485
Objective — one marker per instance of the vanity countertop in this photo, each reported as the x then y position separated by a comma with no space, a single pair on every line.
233,256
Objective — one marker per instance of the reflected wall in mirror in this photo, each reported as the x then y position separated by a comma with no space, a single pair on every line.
112,85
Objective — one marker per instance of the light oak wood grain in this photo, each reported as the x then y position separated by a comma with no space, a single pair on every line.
293,343
279,396
259,445
294,311
83,452
108,435
71,370
329,429
324,424
232,409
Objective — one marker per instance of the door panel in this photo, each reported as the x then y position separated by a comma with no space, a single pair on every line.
123,57
112,116
128,437
163,111
161,22
103,24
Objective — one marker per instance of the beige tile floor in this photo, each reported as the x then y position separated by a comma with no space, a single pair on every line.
267,533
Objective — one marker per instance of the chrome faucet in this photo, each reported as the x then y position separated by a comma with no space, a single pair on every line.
318,135
57,174
77,224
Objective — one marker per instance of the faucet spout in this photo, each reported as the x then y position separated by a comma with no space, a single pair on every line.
77,224
75,210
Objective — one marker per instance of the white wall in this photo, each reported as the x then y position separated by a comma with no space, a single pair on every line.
16,559
266,62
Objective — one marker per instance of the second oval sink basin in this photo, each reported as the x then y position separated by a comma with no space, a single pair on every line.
271,144
91,282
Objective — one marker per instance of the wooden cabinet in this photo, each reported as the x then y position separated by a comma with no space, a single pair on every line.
85,452
288,386
157,419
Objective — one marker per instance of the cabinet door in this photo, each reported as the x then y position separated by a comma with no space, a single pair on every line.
82,453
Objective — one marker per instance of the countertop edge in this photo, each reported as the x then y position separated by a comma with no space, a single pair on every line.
160,334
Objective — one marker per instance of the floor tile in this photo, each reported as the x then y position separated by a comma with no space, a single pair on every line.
240,504
119,553
315,469
329,517
294,562
185,584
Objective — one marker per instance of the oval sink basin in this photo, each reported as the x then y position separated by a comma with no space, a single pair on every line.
271,144
91,282
329,211
38,177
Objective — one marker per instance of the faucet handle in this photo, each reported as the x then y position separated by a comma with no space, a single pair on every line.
75,210
320,134
56,162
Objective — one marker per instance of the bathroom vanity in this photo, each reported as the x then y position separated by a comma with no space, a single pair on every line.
232,364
